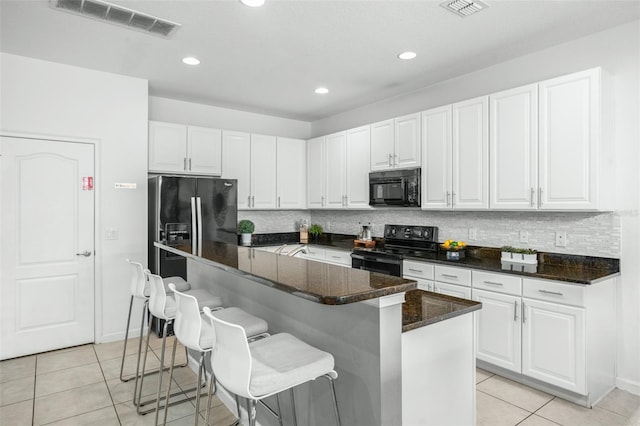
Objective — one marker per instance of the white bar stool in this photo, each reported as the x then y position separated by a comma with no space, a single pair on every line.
196,333
139,289
163,307
259,369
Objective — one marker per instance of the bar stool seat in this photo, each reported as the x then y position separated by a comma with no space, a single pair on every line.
262,368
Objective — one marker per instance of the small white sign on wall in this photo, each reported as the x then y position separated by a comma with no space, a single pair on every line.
124,185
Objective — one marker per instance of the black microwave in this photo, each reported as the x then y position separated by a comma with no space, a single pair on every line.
400,188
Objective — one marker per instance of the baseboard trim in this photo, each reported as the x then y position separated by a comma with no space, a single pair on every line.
628,385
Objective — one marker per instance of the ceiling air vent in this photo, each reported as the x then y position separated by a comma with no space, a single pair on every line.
464,7
118,15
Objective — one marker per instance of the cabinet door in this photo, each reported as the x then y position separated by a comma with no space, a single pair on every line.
336,168
358,146
569,139
436,159
291,173
263,172
498,329
236,163
407,141
204,148
471,154
315,173
382,142
553,344
167,147
453,290
513,146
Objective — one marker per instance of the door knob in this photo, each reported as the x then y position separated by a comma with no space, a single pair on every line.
85,253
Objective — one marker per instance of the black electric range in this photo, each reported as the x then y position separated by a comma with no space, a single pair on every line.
400,241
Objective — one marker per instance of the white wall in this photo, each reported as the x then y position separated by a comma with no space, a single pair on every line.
618,51
49,99
174,111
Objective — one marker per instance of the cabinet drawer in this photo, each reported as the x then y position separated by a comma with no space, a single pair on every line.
460,291
338,256
497,282
447,274
417,269
426,285
553,291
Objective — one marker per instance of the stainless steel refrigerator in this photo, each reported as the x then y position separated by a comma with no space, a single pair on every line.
189,210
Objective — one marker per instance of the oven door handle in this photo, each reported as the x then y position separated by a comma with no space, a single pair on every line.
376,259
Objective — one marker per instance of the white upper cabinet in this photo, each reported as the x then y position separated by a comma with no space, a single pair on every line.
437,161
396,143
357,153
291,173
513,147
407,141
574,169
470,182
336,178
338,170
315,173
236,161
263,172
176,148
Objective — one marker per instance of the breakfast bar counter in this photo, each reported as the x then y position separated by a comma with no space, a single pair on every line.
390,356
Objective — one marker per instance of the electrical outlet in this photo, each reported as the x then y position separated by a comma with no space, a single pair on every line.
561,239
473,234
524,237
111,234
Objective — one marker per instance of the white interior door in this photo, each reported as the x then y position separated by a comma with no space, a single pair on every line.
47,257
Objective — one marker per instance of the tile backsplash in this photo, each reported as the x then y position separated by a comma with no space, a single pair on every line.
590,234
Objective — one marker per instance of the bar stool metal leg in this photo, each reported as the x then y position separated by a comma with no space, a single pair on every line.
126,338
164,344
293,407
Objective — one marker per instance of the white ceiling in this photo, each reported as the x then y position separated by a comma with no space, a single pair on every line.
270,59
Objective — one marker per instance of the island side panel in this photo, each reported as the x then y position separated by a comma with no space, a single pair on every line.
364,339
439,373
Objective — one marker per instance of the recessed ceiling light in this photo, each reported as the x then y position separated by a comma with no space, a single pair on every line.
322,90
190,60
407,55
252,3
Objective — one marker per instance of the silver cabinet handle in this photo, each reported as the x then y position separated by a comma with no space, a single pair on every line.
249,201
448,195
539,197
416,270
493,283
453,198
390,160
189,163
555,293
450,276
184,163
396,162
85,253
346,201
278,202
515,310
335,257
532,192
253,201
322,201
523,316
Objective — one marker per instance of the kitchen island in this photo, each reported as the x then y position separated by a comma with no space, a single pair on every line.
357,316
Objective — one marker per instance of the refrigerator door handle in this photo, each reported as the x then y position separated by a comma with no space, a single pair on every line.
199,211
194,241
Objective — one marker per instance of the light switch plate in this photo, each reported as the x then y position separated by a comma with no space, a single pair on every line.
111,234
473,234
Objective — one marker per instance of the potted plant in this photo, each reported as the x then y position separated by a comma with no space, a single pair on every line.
315,230
514,254
246,228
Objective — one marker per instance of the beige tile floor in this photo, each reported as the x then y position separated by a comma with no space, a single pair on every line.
80,386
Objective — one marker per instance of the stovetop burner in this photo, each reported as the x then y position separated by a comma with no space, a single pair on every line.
402,240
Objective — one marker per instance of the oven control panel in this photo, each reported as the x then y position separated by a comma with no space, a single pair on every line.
412,233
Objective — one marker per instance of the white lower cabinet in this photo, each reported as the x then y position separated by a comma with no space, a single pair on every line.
553,344
498,329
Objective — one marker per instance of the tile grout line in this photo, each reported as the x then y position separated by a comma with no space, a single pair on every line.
544,405
113,404
35,379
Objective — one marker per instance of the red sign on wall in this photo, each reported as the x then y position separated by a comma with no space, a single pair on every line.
87,183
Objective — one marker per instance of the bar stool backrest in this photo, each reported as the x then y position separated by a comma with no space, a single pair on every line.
188,323
231,357
139,285
157,296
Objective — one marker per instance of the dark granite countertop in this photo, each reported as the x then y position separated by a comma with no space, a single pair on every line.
424,307
316,281
551,266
